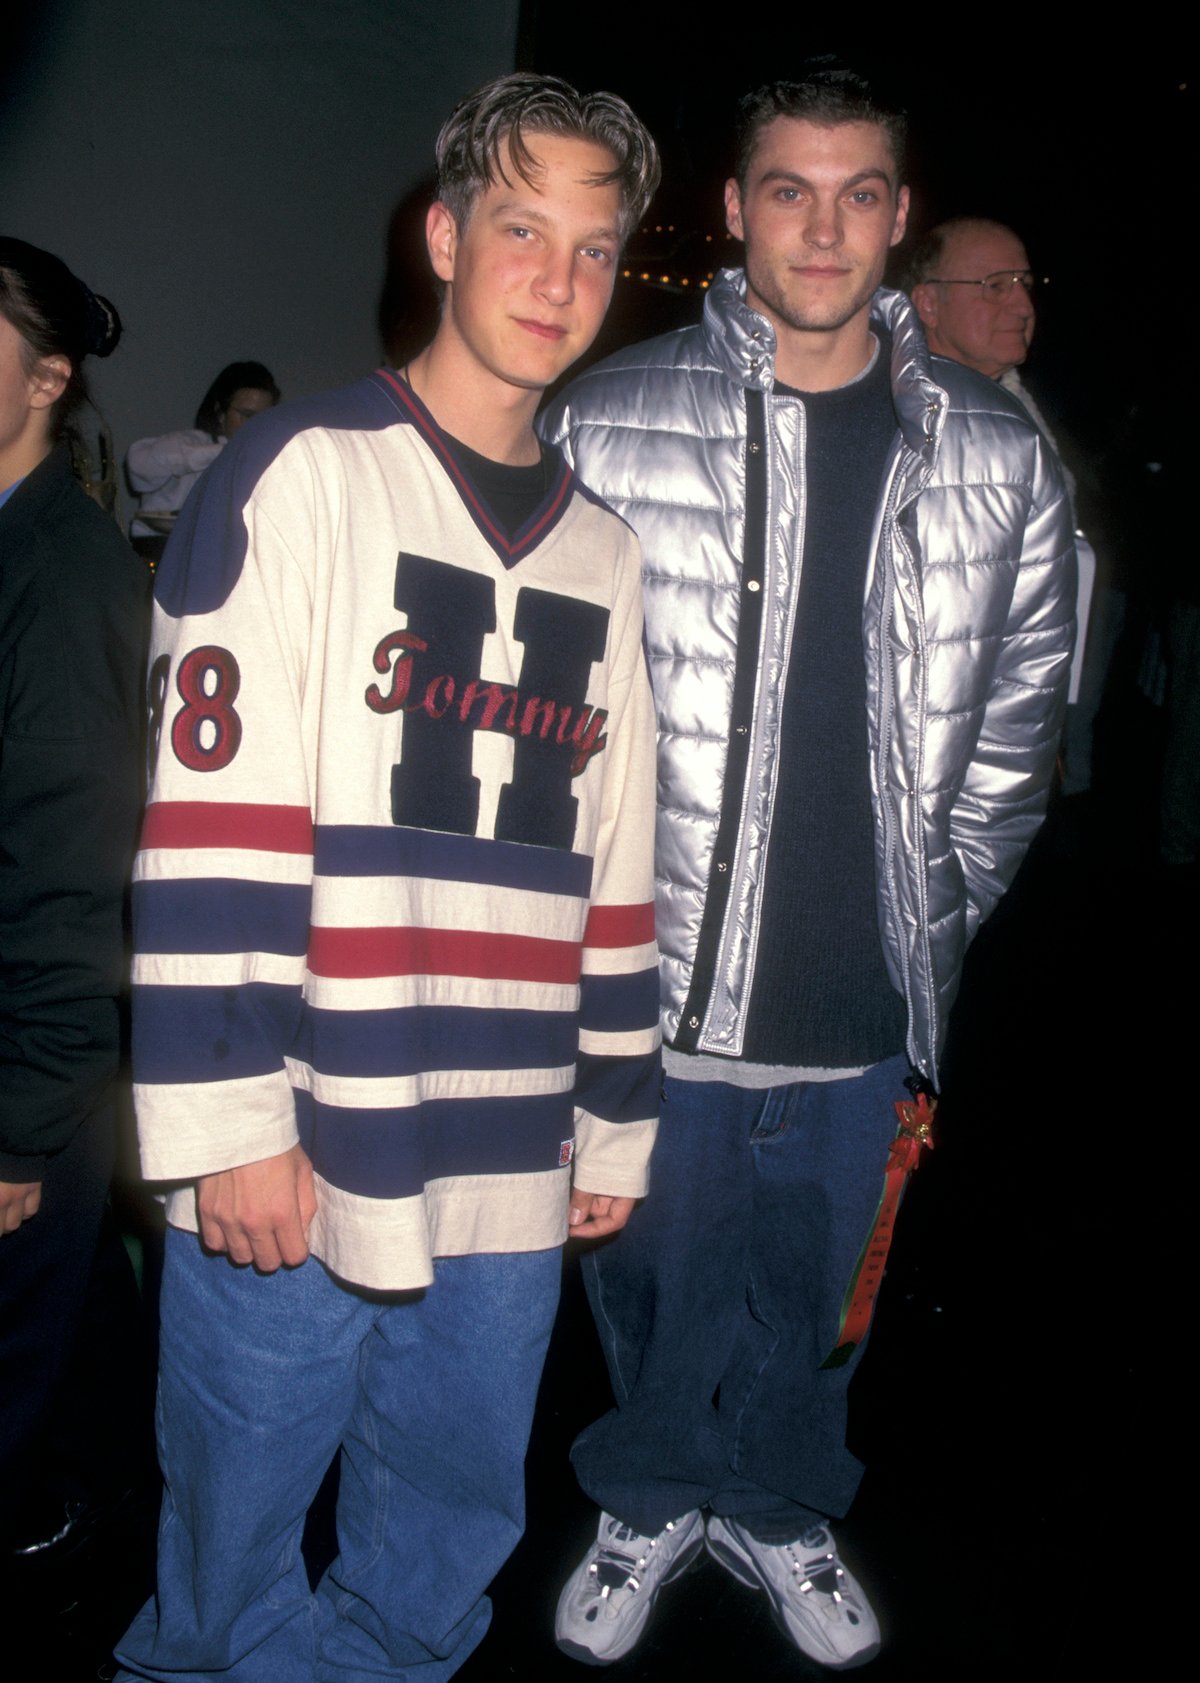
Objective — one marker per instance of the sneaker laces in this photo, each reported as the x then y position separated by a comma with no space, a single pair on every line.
822,1571
613,1569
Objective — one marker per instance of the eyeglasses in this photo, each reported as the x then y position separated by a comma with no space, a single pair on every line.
996,287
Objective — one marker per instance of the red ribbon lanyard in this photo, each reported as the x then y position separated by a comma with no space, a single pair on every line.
904,1153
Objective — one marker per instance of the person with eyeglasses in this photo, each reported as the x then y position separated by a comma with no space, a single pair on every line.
972,286
974,293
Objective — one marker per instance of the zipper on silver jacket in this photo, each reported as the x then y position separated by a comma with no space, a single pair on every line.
921,875
735,1020
710,948
887,713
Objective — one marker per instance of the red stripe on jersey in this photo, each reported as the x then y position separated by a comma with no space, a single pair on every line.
548,518
619,926
441,952
264,829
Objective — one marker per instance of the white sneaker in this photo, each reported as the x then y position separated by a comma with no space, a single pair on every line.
607,1600
818,1602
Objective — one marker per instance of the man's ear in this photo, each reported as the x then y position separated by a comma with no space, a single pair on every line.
733,209
901,216
441,237
924,299
48,381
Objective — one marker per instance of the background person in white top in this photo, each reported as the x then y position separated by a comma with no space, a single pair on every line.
162,470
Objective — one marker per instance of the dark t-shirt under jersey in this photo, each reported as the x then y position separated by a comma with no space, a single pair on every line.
512,493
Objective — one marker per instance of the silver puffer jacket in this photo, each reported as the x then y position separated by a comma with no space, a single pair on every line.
967,623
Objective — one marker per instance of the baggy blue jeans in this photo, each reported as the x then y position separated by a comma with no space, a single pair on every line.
429,1396
718,1303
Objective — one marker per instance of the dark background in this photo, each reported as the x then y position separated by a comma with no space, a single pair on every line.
1084,150
240,176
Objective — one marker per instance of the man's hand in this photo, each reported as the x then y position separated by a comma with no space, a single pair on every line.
259,1212
18,1201
593,1215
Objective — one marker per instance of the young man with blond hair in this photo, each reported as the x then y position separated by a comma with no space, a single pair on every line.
394,1023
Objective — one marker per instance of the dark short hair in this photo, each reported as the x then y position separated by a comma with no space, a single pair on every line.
234,377
55,314
826,92
492,127
928,255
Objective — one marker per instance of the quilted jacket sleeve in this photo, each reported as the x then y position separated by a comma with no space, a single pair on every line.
1003,795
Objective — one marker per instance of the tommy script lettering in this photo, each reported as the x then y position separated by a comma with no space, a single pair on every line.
437,683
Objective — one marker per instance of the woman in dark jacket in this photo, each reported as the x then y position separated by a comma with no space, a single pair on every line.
72,613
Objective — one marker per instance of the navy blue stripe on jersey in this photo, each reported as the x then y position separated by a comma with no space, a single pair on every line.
364,850
396,1153
618,1088
221,915
618,1004
586,492
186,1034
409,1040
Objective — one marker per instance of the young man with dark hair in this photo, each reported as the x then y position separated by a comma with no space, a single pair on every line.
829,96
395,976
858,589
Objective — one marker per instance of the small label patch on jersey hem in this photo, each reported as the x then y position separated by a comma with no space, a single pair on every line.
565,1152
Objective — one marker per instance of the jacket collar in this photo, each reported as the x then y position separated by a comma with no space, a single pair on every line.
742,343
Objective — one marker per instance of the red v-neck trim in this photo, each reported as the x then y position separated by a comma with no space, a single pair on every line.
508,550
